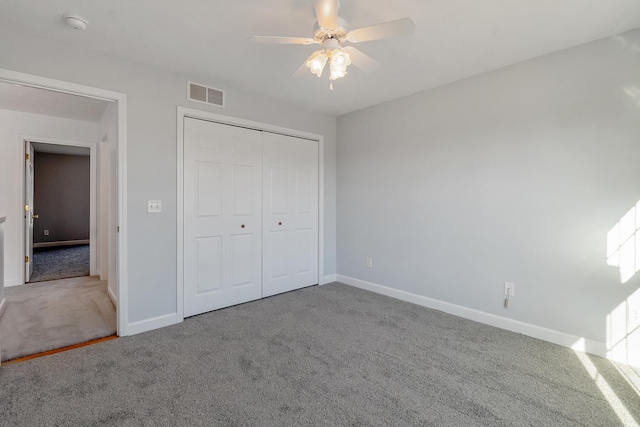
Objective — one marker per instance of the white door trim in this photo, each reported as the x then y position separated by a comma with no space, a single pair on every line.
121,118
183,112
93,235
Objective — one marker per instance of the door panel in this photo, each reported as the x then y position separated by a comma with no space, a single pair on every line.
209,184
222,216
28,214
209,141
290,219
209,256
243,248
279,254
278,188
304,243
243,145
244,191
304,193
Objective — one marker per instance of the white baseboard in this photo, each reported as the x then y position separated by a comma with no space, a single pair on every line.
550,335
151,324
113,297
3,306
330,278
12,284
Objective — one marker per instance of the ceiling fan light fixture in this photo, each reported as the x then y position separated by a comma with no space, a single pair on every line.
339,62
337,73
331,32
316,64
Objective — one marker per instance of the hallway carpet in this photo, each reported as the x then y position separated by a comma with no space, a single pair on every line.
49,315
60,262
327,355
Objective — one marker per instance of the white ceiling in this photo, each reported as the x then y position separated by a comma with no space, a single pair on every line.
50,103
454,39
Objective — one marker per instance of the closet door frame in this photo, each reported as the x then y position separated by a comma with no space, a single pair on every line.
183,112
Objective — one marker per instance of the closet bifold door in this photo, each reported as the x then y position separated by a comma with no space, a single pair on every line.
290,213
222,216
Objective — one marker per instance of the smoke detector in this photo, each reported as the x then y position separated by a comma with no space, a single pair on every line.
76,21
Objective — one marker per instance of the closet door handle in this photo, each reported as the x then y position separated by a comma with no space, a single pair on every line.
280,223
242,226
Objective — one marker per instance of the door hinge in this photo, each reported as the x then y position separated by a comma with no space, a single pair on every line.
26,156
118,229
26,259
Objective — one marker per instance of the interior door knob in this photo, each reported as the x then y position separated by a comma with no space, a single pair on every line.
34,216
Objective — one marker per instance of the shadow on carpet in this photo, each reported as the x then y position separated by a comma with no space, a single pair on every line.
46,316
60,263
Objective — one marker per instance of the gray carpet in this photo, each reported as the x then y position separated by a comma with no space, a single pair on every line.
50,315
60,263
331,355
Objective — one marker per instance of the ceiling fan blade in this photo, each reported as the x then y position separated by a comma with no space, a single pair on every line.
303,68
281,40
400,27
361,59
327,13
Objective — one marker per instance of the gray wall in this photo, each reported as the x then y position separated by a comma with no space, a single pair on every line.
152,97
61,197
108,200
514,175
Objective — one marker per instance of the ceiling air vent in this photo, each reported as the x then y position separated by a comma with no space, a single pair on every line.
205,94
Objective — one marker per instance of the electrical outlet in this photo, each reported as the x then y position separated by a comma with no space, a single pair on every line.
46,232
634,314
369,263
509,289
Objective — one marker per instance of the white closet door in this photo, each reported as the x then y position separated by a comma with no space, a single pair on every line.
290,219
222,216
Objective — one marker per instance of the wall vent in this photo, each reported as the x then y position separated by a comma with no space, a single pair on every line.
205,94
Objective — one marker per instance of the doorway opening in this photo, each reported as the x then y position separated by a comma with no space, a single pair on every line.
48,138
61,196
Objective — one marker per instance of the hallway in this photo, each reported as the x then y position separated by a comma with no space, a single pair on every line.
49,315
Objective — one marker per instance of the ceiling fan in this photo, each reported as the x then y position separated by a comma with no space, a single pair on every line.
331,33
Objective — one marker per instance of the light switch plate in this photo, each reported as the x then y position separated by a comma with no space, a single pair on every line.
509,289
154,206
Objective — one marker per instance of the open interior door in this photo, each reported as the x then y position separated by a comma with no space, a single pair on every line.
28,212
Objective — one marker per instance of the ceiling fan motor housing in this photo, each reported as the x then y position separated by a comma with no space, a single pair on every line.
339,33
330,44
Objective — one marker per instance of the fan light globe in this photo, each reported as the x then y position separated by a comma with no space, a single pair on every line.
317,63
337,73
339,63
